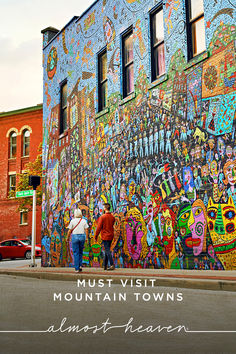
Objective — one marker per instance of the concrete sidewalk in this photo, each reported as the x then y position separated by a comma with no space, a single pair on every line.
194,279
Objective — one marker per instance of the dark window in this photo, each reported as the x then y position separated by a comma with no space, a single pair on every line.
63,112
128,63
13,145
23,217
6,243
102,80
157,44
195,27
12,183
26,142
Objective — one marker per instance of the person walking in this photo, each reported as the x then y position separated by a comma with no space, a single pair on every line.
106,227
78,228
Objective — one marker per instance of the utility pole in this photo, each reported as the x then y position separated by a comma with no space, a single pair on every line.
34,181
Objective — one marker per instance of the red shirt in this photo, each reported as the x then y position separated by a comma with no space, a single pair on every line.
105,226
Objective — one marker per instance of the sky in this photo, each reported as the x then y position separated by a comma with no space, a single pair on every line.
21,22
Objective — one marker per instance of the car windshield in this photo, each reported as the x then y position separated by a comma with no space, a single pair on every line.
26,242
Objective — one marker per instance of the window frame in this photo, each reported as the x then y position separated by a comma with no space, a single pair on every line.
62,127
101,82
21,217
24,143
189,25
129,32
11,145
10,189
154,47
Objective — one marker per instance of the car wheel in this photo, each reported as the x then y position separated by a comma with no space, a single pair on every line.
28,254
13,259
0,257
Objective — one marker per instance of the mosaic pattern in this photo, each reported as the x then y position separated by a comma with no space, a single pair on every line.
52,63
165,159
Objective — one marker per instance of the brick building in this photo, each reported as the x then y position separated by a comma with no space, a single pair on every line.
21,134
139,111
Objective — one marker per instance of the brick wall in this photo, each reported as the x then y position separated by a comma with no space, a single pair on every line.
31,119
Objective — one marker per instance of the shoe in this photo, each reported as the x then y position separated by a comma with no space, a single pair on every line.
76,271
80,269
111,267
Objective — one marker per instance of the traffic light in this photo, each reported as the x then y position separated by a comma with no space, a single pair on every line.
34,181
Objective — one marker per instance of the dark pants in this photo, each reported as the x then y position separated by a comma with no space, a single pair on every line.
78,241
108,256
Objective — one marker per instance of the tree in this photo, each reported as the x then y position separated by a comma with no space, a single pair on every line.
32,168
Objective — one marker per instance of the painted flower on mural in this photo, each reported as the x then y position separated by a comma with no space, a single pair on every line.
210,77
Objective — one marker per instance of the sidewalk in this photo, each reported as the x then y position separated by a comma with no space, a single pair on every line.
193,279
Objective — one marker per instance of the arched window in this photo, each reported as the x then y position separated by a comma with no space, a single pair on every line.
13,136
26,142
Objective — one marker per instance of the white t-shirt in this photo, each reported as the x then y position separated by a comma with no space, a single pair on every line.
80,229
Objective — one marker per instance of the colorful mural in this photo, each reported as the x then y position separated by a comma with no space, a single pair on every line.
165,159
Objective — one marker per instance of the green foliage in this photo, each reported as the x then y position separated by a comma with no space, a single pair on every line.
32,168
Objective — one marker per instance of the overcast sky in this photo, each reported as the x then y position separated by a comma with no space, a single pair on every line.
21,22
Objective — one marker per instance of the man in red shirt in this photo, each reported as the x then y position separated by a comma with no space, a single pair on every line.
106,227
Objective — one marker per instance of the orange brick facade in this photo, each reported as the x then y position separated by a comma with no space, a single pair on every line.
17,121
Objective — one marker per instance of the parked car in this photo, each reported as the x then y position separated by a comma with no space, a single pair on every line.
14,248
27,241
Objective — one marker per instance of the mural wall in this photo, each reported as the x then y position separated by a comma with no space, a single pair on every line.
165,159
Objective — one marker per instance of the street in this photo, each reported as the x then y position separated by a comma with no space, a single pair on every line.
8,263
58,307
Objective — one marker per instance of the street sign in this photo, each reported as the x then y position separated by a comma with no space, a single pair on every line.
23,194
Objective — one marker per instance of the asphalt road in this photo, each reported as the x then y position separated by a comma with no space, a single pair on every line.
28,305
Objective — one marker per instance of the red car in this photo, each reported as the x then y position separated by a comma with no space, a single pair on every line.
28,242
16,249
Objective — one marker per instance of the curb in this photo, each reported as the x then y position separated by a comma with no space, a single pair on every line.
190,283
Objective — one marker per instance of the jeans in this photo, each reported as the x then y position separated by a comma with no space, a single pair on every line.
78,241
108,256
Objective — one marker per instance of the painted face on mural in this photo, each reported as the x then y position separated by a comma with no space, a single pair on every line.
195,173
198,226
132,187
134,227
187,176
122,192
229,151
52,63
188,181
198,152
230,172
167,230
221,146
221,219
205,171
183,228
213,166
148,211
211,144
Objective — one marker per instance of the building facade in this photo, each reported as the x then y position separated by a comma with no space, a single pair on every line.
21,134
139,111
